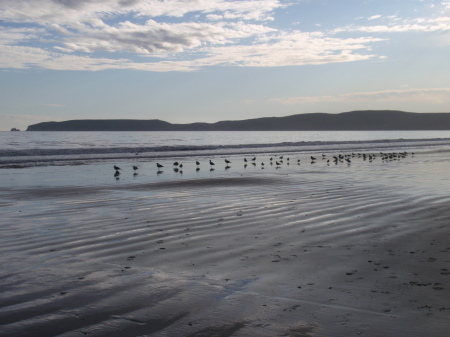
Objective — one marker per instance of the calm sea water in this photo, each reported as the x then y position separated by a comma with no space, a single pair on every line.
24,149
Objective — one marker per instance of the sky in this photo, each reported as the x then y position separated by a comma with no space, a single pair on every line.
186,61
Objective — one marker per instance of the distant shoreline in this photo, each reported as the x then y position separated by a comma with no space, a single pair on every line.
367,120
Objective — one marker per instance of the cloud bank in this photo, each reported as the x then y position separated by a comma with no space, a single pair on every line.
176,35
433,96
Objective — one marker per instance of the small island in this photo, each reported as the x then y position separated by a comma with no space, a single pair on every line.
14,129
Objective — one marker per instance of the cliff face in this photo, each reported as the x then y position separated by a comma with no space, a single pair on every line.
347,121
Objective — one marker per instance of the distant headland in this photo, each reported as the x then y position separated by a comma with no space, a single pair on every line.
365,120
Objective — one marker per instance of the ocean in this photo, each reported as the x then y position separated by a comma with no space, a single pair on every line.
28,149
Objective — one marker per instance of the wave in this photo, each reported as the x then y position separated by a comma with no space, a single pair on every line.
71,156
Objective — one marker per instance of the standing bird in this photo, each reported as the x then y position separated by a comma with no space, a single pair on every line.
227,161
245,159
175,164
159,165
180,166
135,167
312,158
197,162
116,168
254,158
211,163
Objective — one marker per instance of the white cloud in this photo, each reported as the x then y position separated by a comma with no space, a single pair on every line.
417,25
71,34
433,96
374,17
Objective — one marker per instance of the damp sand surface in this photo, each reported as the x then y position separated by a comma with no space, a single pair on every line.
300,250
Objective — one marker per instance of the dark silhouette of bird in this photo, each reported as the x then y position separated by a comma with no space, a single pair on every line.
175,164
227,161
117,173
313,158
197,162
159,165
116,168
180,166
271,158
197,169
245,159
135,167
211,163
254,158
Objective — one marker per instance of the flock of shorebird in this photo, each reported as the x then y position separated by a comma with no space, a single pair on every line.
279,160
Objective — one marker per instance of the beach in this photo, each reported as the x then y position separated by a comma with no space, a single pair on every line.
309,249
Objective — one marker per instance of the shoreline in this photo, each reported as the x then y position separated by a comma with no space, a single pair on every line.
309,250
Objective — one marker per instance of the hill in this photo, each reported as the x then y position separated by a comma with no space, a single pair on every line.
347,121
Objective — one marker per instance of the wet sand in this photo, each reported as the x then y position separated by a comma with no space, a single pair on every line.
302,250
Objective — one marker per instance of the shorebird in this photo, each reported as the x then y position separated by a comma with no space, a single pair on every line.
211,163
254,158
312,158
159,165
135,167
245,159
227,161
116,168
197,162
175,164
117,173
180,166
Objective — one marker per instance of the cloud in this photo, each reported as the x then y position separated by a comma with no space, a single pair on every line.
175,35
54,105
439,24
433,96
374,17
